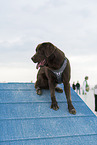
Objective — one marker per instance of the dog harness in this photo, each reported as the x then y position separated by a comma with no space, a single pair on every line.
58,72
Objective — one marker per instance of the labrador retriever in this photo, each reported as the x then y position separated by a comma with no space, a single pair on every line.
54,69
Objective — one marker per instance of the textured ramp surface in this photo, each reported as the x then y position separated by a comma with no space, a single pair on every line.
26,118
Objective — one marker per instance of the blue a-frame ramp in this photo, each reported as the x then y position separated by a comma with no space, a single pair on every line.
26,118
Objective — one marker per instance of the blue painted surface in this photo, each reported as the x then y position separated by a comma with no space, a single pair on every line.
26,118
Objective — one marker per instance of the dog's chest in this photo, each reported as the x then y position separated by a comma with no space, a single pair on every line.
58,73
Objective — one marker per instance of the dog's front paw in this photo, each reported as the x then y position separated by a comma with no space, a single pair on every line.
72,111
54,106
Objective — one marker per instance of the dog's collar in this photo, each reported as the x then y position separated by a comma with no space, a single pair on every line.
59,72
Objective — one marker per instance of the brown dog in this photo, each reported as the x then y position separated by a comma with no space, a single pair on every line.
54,69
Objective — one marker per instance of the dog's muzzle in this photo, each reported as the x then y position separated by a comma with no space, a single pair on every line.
41,64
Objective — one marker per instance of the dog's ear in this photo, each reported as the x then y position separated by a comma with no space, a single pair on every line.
49,49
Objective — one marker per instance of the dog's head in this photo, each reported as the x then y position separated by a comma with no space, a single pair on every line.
46,54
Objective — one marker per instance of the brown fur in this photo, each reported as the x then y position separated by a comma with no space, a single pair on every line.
54,58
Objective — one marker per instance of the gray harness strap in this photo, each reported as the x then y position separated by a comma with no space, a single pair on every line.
59,72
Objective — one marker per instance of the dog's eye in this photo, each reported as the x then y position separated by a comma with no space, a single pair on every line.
39,51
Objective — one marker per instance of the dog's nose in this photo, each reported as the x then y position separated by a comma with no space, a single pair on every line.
32,58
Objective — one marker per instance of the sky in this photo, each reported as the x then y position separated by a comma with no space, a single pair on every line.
71,25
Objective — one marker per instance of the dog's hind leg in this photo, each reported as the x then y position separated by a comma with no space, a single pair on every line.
59,90
41,84
38,89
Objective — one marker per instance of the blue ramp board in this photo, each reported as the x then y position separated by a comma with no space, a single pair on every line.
26,118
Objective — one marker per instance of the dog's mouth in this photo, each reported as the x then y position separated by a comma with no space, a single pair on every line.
42,63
